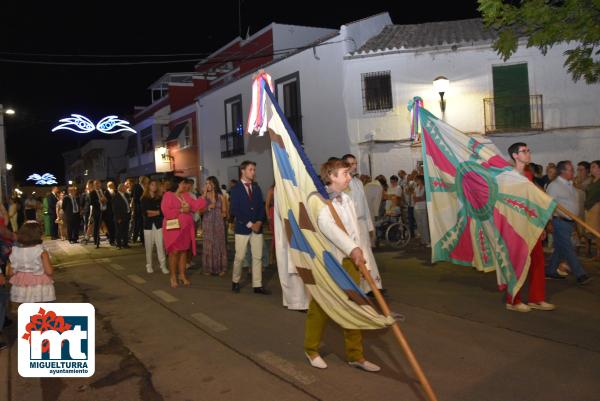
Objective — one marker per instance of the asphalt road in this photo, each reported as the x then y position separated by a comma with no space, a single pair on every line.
206,343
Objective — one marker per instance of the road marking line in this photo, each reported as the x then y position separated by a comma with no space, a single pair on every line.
165,296
209,322
286,367
117,266
136,279
72,263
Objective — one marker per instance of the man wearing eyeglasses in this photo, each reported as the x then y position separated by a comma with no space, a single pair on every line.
521,156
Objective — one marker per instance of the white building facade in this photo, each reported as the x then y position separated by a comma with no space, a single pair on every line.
309,86
530,98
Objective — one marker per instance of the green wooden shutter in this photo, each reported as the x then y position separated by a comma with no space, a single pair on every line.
511,97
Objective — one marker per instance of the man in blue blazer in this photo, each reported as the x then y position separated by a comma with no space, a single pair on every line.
248,209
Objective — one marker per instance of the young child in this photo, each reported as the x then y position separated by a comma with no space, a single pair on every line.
30,267
336,176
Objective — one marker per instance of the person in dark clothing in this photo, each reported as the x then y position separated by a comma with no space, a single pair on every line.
122,213
72,210
107,216
98,202
85,205
52,200
136,212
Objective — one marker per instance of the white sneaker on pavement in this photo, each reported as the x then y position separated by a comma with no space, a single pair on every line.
316,362
365,365
542,305
520,307
164,270
149,269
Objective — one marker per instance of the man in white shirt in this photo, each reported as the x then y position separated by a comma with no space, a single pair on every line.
565,194
365,224
348,251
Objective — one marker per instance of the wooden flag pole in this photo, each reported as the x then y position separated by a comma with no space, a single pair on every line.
386,310
578,220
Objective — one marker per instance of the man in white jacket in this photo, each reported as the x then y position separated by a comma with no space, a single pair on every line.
347,250
365,223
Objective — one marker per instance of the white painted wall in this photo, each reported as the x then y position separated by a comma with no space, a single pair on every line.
325,132
566,105
323,116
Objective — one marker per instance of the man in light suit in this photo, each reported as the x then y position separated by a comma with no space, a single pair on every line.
248,209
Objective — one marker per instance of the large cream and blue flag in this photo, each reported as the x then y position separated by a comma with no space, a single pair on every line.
299,197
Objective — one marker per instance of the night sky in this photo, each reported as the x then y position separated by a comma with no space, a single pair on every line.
42,94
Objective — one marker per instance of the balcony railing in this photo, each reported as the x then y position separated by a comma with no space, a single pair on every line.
232,144
513,113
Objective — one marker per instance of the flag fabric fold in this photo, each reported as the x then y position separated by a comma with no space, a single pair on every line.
299,197
482,212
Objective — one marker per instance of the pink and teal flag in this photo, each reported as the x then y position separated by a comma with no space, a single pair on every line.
482,212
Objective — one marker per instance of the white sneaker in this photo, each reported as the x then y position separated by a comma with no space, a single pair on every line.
520,307
365,365
316,362
149,269
164,270
541,305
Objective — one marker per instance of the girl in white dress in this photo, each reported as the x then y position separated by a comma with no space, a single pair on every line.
30,267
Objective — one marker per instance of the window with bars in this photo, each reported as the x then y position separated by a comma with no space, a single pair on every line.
377,91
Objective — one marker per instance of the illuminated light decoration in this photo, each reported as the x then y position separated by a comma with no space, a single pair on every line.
109,122
76,123
46,179
83,125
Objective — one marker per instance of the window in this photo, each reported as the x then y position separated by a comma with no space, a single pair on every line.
377,91
232,142
131,146
511,97
146,140
186,138
288,96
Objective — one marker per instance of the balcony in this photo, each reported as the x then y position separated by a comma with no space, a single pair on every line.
232,144
514,113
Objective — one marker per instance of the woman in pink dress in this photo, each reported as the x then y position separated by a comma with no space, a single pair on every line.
179,205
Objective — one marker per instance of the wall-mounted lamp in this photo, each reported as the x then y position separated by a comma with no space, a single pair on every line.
9,166
70,182
441,85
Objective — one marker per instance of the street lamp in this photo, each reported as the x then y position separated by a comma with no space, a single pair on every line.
441,85
70,182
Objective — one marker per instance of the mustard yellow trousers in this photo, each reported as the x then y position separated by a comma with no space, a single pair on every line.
316,320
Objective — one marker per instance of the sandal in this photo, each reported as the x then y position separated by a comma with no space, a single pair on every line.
174,282
184,281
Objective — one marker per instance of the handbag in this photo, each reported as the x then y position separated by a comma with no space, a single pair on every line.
172,224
